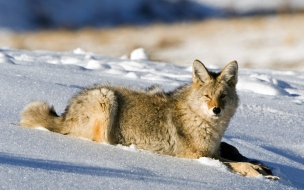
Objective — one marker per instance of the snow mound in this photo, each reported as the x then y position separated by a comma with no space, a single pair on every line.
212,163
139,54
262,84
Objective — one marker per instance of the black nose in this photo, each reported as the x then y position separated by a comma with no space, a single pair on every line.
216,110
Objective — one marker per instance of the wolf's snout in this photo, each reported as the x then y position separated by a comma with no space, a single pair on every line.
216,110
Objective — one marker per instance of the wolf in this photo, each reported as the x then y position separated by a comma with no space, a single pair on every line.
188,122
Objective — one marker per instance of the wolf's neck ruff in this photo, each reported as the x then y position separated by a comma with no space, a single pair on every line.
196,127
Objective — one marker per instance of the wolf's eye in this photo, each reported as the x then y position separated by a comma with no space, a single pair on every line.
207,96
223,96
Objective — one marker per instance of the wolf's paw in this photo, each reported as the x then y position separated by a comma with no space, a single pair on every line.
272,177
250,170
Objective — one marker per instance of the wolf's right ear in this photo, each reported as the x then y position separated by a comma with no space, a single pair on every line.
230,74
200,72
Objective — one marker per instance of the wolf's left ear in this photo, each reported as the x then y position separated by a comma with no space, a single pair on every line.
230,74
200,73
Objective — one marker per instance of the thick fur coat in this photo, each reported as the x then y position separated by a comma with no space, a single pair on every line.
188,122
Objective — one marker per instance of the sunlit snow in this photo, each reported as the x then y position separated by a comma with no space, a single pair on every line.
268,126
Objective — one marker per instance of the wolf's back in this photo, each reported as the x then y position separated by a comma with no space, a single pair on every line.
40,114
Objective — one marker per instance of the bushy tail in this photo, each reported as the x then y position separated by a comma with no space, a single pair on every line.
40,114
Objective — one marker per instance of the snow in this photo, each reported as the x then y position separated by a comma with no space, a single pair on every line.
268,126
139,54
213,163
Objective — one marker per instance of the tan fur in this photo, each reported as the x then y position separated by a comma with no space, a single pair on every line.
188,122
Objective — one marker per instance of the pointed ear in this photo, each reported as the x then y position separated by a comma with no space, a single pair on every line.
200,72
230,74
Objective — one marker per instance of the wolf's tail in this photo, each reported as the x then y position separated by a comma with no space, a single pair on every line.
40,114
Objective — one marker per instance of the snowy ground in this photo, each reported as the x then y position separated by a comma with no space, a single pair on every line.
268,126
256,42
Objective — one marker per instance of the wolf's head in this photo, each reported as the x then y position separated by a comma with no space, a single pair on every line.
214,94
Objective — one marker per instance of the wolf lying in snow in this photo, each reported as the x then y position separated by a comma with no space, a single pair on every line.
188,122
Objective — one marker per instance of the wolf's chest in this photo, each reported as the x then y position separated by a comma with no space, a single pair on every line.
208,138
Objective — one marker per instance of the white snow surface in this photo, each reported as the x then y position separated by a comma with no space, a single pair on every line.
139,54
268,126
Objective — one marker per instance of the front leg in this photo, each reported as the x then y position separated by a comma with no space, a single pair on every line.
249,169
230,156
